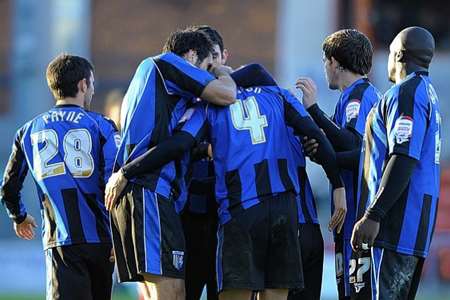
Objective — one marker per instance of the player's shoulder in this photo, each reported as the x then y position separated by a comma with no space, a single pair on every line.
412,88
101,120
169,57
362,90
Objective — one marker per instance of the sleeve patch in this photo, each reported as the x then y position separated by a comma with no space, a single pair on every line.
117,139
352,109
403,129
187,115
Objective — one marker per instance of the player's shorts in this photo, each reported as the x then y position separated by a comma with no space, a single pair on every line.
395,275
81,271
311,245
360,275
147,235
258,248
343,251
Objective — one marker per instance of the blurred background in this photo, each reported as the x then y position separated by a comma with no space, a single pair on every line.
283,35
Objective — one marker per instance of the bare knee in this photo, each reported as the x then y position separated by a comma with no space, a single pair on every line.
162,288
235,294
273,294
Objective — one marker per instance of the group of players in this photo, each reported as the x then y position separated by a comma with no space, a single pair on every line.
197,137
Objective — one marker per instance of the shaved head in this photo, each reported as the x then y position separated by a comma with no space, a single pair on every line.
411,50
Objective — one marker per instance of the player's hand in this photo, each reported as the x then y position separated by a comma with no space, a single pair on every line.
25,230
364,233
219,70
310,147
116,184
309,90
112,256
340,210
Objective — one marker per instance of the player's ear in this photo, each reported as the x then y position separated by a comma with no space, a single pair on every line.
82,85
335,64
399,56
191,56
224,56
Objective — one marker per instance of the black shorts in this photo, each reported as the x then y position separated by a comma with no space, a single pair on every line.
360,275
258,248
395,276
311,245
147,235
81,271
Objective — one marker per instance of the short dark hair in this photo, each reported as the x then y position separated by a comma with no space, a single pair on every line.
181,41
64,72
212,33
351,48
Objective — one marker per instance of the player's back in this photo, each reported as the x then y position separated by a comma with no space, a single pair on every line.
64,149
251,147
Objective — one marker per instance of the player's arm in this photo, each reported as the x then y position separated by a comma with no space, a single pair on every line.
342,138
110,143
221,91
396,176
181,76
349,159
15,173
171,149
297,118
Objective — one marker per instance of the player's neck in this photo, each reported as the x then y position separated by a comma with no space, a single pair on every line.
348,79
70,101
407,69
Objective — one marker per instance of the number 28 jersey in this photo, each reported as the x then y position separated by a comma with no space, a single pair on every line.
70,153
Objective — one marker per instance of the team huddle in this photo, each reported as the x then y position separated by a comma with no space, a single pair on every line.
206,181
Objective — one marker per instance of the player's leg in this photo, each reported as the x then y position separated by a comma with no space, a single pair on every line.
211,247
283,269
196,265
148,239
128,234
235,294
273,294
67,274
311,245
162,288
395,276
100,269
242,252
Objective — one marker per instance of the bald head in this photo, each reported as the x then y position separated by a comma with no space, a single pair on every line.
411,50
417,45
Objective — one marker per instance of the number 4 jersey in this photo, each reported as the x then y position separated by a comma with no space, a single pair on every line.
251,145
70,152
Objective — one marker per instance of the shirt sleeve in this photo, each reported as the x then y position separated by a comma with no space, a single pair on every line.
253,75
294,103
358,123
110,146
406,121
195,121
180,76
15,173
